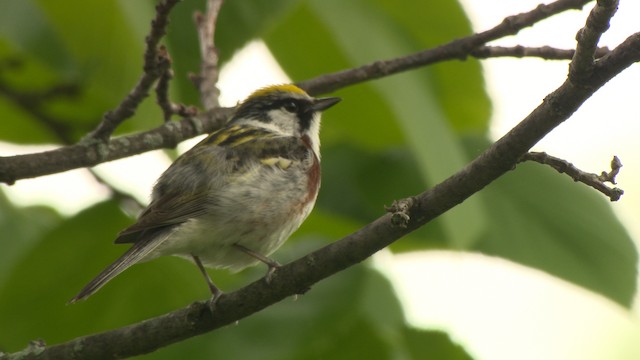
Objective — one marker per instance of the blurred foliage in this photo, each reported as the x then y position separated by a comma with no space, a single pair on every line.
389,139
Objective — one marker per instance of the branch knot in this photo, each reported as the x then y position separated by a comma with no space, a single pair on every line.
400,211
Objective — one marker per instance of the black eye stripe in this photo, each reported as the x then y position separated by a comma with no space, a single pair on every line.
291,106
258,108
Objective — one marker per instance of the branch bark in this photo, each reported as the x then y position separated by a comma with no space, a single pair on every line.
588,37
300,275
91,153
543,52
162,90
152,71
208,78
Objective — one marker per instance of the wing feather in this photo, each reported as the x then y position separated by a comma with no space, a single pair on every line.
187,187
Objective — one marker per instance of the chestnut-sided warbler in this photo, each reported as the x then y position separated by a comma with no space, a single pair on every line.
235,197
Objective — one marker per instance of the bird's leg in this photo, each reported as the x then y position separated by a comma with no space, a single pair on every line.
272,264
215,292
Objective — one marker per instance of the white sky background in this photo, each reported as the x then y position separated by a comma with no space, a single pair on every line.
497,309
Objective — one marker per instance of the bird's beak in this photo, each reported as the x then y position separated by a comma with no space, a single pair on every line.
322,104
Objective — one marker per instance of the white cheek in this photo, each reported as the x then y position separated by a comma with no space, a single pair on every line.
271,126
284,121
314,134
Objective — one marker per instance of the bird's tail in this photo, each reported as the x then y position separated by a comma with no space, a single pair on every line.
135,254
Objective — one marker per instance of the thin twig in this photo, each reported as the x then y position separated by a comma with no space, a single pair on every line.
456,49
162,91
610,176
594,180
86,154
519,51
588,37
152,58
162,88
207,80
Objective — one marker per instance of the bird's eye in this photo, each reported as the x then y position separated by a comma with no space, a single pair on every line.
291,106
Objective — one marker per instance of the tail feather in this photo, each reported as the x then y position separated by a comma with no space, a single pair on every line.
134,255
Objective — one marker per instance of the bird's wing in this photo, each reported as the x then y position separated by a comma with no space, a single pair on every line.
166,212
186,188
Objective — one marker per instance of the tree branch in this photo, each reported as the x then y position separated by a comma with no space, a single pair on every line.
543,52
300,275
595,181
14,168
162,90
91,153
207,80
152,71
588,37
456,49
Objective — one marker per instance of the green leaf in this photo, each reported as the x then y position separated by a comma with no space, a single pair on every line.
357,184
242,21
39,285
287,330
97,49
433,345
383,313
352,315
547,221
26,226
36,36
410,96
372,127
26,75
373,115
99,39
457,86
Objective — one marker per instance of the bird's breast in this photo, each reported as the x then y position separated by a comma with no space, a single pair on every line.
313,174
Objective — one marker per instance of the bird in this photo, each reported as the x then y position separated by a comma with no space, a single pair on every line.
236,196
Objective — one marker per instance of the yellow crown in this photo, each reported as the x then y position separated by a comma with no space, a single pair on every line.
290,88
